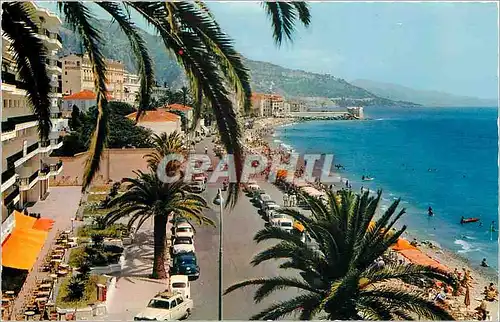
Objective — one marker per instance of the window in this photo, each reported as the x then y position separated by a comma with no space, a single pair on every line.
65,73
4,103
179,300
173,304
78,64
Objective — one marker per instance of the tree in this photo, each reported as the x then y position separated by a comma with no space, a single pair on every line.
148,197
164,144
188,30
74,122
337,277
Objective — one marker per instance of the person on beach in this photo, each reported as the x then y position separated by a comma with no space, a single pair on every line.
483,263
482,310
285,200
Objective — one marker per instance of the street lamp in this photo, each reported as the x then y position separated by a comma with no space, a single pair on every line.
218,200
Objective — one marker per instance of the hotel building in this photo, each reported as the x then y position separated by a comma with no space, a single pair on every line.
25,166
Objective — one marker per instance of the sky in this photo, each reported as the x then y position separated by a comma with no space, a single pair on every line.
449,47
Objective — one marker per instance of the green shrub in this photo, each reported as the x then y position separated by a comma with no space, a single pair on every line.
77,256
89,295
111,231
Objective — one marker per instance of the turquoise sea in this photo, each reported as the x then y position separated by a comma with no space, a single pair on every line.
446,158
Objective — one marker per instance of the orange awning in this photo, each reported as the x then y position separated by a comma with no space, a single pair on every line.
22,247
23,221
402,244
417,257
44,224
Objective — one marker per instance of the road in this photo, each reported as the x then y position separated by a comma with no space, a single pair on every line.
134,289
240,226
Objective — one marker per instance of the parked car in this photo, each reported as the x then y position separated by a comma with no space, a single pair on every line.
286,224
271,208
180,284
257,193
262,199
186,264
184,229
275,218
197,185
269,204
166,306
183,245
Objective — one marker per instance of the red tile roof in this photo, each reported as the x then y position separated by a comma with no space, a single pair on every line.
160,115
178,107
84,95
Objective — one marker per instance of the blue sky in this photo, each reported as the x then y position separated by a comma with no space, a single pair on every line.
450,47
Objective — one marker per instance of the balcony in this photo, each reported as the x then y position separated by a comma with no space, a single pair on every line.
56,169
9,177
26,183
10,78
32,147
11,161
11,196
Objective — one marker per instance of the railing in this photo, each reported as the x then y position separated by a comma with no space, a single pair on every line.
56,167
26,181
10,78
13,158
8,174
11,196
32,147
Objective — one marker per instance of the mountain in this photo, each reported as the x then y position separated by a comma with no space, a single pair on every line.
265,77
426,98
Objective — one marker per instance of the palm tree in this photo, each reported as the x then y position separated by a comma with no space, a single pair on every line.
337,278
163,145
188,30
148,197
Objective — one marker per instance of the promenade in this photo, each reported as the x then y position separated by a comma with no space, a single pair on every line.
134,289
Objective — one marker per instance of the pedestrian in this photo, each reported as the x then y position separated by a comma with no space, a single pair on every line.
483,263
285,200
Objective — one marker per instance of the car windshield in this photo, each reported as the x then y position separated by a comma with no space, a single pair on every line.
187,261
179,285
183,229
184,241
286,224
276,216
159,304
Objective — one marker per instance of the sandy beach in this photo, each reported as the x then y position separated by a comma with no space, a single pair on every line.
262,133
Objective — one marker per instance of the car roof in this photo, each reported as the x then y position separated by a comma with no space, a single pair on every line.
183,224
178,278
166,295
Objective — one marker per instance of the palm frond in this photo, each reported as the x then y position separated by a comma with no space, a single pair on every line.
30,55
80,19
283,15
140,51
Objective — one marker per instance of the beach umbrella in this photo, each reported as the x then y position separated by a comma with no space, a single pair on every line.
467,296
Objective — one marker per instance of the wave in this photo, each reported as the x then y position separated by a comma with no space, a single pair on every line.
466,247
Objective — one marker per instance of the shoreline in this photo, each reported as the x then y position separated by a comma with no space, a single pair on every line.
481,276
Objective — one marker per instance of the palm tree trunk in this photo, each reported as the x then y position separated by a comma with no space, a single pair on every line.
160,238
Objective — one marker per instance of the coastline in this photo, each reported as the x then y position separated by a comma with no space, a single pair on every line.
481,276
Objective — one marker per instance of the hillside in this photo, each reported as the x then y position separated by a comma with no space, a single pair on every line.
426,98
265,76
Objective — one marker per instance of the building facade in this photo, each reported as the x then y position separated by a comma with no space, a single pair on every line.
25,165
131,86
267,105
83,100
77,76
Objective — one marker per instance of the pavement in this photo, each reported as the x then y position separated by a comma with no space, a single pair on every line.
134,289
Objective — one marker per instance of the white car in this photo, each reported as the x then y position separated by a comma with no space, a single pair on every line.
286,224
252,187
183,245
270,208
180,284
275,218
166,306
263,199
197,185
184,229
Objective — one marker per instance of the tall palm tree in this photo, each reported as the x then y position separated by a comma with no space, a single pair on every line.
188,30
163,145
337,278
148,197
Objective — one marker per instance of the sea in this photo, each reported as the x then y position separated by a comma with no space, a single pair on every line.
445,158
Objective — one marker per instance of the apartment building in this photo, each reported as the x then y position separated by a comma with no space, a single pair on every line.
131,86
25,166
77,76
266,105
